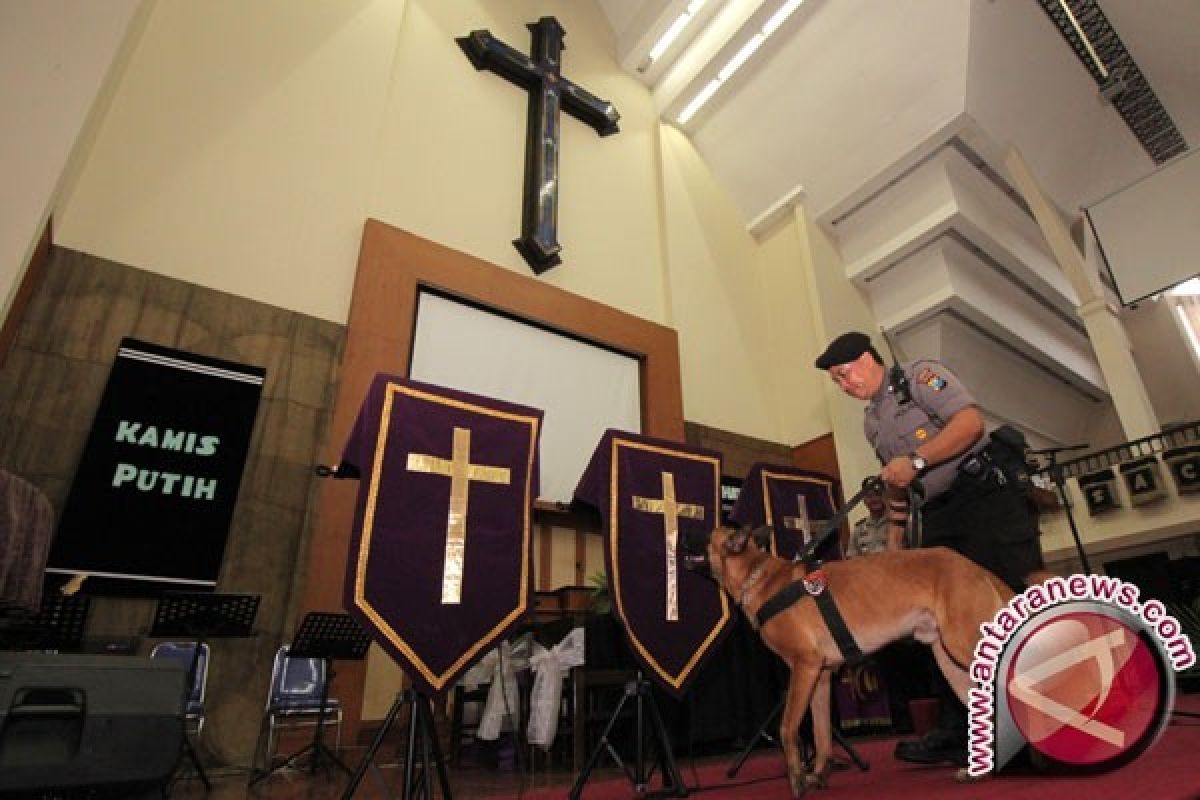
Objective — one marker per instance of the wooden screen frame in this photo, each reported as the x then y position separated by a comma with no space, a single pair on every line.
393,267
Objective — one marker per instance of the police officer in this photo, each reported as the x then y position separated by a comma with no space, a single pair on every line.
928,434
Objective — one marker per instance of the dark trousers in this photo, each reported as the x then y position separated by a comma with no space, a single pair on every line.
992,524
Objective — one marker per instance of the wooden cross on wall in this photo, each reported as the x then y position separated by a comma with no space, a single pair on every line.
549,91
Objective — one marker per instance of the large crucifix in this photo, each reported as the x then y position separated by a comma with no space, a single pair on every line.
671,510
461,472
540,73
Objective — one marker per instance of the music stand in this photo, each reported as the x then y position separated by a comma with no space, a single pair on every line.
639,690
420,727
58,625
200,616
329,637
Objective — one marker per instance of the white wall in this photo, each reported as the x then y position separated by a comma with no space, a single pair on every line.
58,62
835,140
239,148
837,306
1164,361
303,118
716,299
450,159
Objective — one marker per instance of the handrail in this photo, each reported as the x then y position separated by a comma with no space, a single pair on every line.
1181,435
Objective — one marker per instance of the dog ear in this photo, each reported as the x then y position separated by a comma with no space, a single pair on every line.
736,542
762,537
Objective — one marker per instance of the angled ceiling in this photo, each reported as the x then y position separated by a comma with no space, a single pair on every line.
892,119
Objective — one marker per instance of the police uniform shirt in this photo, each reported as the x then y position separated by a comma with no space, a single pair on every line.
897,429
869,536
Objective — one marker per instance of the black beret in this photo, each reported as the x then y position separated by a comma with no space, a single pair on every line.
844,349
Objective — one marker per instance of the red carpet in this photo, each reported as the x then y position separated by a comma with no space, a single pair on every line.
1170,770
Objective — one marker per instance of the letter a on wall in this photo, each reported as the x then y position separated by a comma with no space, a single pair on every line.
158,480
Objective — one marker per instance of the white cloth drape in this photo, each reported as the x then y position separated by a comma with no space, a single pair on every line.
550,667
499,668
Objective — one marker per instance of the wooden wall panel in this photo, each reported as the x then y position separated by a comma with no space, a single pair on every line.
31,281
393,265
738,452
50,387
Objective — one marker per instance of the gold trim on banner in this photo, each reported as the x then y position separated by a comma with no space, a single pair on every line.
671,510
766,495
461,472
438,680
613,539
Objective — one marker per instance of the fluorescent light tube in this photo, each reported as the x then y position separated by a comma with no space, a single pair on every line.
700,99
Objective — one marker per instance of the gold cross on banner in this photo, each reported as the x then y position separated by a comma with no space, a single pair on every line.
800,522
461,472
672,510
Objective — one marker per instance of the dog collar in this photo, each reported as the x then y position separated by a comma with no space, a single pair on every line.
756,574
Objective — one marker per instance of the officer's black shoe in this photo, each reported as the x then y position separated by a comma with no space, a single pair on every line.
939,746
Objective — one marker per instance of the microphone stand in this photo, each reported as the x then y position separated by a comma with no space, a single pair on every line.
1054,470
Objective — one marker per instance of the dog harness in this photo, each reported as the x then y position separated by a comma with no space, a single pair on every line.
814,585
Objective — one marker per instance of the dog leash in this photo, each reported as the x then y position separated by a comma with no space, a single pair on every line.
872,485
828,527
813,583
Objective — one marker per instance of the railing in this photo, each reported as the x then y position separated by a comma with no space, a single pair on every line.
1187,433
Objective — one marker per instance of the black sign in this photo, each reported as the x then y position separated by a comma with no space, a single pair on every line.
1184,463
156,486
1142,480
1100,491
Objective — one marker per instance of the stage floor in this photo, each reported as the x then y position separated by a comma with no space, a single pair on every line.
1169,771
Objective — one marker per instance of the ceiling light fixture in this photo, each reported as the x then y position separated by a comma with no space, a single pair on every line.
739,58
1083,38
1189,288
672,33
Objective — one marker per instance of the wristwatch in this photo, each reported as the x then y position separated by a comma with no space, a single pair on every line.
919,463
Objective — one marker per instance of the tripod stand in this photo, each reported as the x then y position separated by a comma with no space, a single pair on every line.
1055,472
763,733
198,617
420,726
326,636
639,690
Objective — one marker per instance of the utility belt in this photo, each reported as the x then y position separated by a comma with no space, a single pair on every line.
994,465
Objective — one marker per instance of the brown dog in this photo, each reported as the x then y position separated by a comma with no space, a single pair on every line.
934,594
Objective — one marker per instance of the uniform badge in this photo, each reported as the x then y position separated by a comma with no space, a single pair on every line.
921,434
931,379
814,582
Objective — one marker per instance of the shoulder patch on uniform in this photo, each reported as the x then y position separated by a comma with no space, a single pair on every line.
931,379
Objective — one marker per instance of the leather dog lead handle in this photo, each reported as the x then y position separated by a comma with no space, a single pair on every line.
874,484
